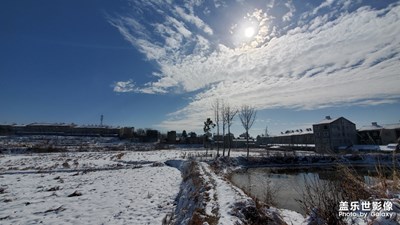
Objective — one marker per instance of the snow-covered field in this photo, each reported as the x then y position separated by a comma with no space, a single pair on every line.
130,187
133,189
135,196
126,187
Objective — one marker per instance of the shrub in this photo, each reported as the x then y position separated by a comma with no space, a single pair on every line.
321,198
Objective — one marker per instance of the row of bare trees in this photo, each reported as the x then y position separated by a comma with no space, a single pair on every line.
224,114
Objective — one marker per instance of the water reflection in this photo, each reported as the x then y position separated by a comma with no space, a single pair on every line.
283,187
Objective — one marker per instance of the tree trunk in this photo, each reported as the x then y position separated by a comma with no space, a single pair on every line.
205,144
229,141
223,140
217,149
247,136
217,140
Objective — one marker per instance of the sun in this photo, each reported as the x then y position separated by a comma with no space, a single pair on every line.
249,32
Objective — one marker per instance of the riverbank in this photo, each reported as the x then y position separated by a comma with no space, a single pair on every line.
207,197
311,187
290,160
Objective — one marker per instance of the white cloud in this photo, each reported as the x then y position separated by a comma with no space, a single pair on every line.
334,8
219,3
271,4
199,23
288,16
325,64
124,86
351,60
260,22
325,4
180,27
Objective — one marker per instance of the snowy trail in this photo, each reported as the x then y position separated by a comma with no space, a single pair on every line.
226,195
223,197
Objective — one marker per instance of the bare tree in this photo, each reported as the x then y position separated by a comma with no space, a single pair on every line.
247,116
208,125
216,107
224,123
266,135
230,114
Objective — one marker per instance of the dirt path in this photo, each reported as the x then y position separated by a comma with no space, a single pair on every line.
223,197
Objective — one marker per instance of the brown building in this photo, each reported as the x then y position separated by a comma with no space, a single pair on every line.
330,134
375,134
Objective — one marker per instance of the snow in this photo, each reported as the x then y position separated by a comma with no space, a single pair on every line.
124,187
82,160
212,204
227,196
389,147
327,121
118,195
291,217
379,127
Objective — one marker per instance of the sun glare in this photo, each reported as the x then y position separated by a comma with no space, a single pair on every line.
249,32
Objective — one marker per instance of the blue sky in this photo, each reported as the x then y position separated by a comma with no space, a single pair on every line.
160,64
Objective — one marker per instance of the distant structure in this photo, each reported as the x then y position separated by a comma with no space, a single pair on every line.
224,140
266,132
290,138
171,137
63,129
376,134
101,120
330,134
126,132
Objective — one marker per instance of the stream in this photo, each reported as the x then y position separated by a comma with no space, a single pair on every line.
285,186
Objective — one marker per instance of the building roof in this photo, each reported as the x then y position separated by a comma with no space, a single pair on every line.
326,121
294,133
49,124
392,126
91,126
375,126
329,120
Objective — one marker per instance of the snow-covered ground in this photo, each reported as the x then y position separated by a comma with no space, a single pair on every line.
128,196
118,193
79,160
129,187
125,187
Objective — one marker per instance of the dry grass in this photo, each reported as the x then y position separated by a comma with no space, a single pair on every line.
350,183
257,214
270,193
321,198
168,219
199,218
388,181
118,156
